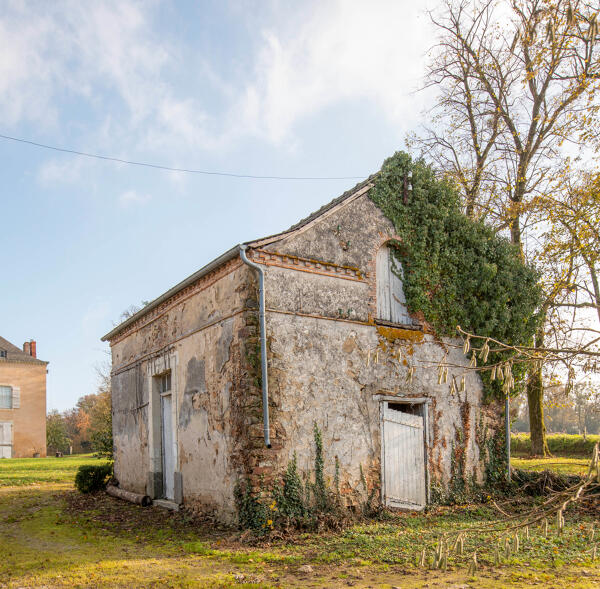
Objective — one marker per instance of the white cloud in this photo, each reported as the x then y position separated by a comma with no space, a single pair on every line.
104,56
63,171
103,74
343,51
132,197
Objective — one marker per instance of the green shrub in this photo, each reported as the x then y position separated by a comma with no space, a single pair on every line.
252,513
559,444
91,478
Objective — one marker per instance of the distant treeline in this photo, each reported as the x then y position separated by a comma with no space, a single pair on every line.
559,444
85,428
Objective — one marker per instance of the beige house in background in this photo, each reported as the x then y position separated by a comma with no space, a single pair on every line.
22,401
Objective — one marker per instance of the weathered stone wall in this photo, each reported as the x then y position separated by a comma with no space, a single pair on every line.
346,236
203,337
130,399
330,373
329,359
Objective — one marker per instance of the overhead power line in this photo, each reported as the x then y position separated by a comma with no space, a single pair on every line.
170,169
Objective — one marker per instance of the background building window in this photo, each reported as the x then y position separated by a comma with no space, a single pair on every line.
6,397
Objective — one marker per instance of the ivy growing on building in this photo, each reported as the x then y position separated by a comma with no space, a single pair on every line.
456,271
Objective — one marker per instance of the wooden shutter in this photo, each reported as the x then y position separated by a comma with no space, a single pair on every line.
382,273
16,397
397,298
391,302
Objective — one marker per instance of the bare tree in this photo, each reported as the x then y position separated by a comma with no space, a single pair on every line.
517,81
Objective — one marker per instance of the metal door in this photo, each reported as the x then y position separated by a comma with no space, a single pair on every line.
403,459
5,439
168,462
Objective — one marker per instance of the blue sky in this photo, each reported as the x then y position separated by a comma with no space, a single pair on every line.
265,88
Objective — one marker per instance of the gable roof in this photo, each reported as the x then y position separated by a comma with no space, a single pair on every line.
15,354
365,184
234,252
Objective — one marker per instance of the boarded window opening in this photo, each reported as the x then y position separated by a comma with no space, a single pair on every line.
391,303
410,408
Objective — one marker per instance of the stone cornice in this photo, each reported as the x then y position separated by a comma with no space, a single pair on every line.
257,255
306,265
201,284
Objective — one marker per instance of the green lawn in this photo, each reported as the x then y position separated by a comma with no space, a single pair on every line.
568,445
31,471
557,464
52,536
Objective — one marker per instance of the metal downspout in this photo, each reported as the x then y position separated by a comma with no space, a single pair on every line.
263,340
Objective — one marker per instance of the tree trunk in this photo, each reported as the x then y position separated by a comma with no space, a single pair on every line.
595,284
535,402
535,382
515,232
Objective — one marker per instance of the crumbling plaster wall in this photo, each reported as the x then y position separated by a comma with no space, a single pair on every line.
330,373
328,359
203,333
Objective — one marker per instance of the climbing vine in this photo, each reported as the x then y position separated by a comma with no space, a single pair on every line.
456,271
288,503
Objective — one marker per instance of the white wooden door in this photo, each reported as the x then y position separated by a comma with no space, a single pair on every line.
168,461
5,439
403,459
391,302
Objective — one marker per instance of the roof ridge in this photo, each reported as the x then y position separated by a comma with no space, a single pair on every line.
231,253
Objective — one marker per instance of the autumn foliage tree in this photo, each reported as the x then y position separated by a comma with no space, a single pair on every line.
88,426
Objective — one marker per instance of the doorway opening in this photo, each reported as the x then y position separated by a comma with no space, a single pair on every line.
166,435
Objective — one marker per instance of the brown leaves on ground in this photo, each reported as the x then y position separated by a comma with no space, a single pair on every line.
116,515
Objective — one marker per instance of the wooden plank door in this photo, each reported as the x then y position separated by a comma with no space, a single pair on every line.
167,447
6,439
403,459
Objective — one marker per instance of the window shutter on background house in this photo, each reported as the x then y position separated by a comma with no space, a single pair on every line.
391,303
16,397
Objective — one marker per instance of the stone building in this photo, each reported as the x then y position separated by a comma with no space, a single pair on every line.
22,401
191,412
